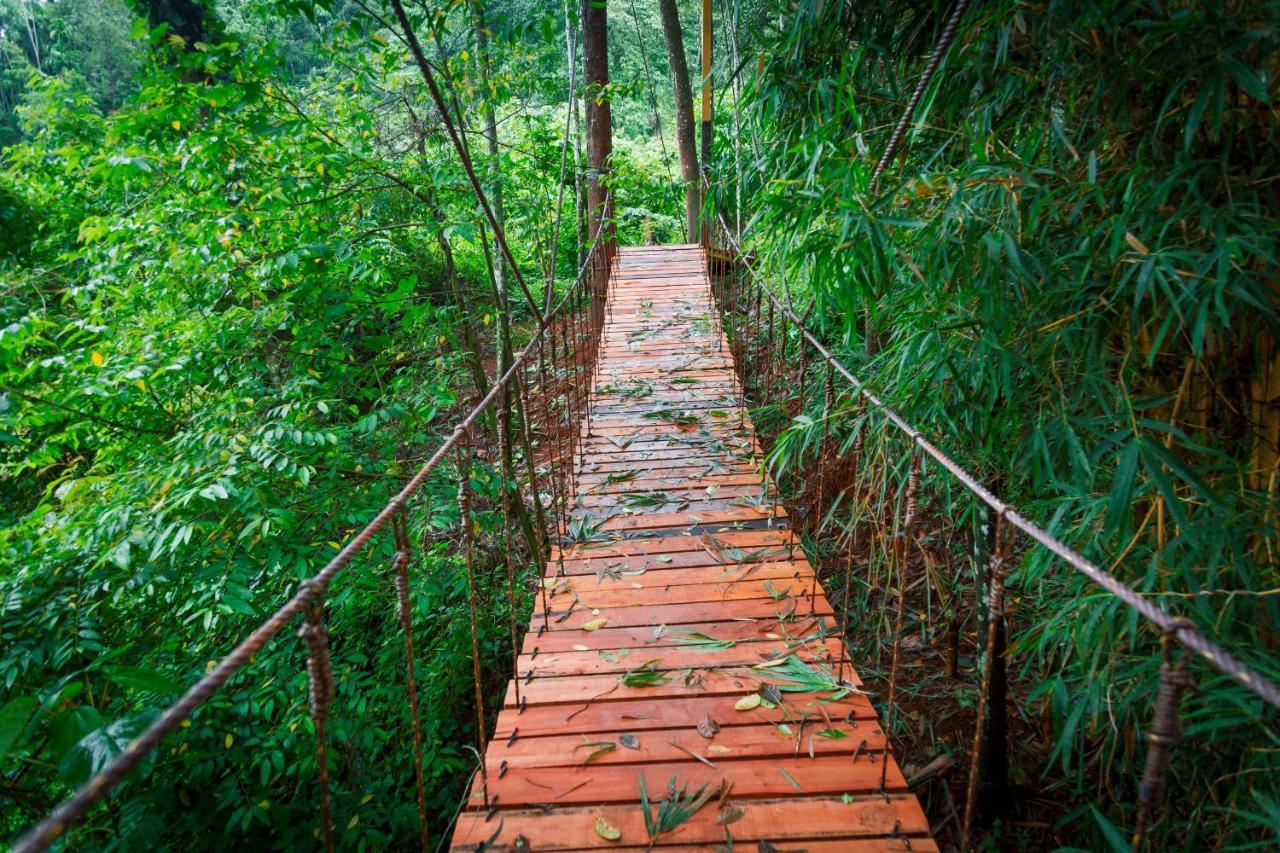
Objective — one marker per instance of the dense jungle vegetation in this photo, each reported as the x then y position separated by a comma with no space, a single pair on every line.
245,289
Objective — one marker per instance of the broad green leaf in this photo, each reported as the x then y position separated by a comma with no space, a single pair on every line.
13,719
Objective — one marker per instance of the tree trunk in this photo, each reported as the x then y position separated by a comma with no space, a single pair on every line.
575,122
674,37
595,67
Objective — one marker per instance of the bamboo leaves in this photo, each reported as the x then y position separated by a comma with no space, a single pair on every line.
702,642
796,676
596,750
674,809
645,675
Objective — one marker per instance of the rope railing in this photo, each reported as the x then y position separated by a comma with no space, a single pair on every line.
1007,518
579,315
939,51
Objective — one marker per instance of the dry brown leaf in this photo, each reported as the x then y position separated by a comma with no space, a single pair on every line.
731,814
708,727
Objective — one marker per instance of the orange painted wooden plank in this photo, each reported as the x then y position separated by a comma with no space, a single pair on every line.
602,598
792,610
808,845
751,778
570,662
728,565
746,540
615,574
689,519
659,745
633,715
609,639
587,689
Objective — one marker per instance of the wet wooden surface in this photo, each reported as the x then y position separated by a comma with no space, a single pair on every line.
686,604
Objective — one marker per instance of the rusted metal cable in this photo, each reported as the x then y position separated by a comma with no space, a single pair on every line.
736,350
828,404
1166,731
549,429
536,488
400,579
588,363
995,613
844,623
848,566
1189,636
767,367
939,50
559,482
905,533
782,349
813,587
503,425
531,466
465,522
319,697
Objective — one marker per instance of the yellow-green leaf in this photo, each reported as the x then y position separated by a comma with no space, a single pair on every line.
606,830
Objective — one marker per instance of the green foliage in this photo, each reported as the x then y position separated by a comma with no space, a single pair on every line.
1066,278
239,304
674,809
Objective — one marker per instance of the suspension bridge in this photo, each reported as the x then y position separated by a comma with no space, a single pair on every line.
683,639
684,681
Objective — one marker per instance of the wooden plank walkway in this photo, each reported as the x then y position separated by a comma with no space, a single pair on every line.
691,570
